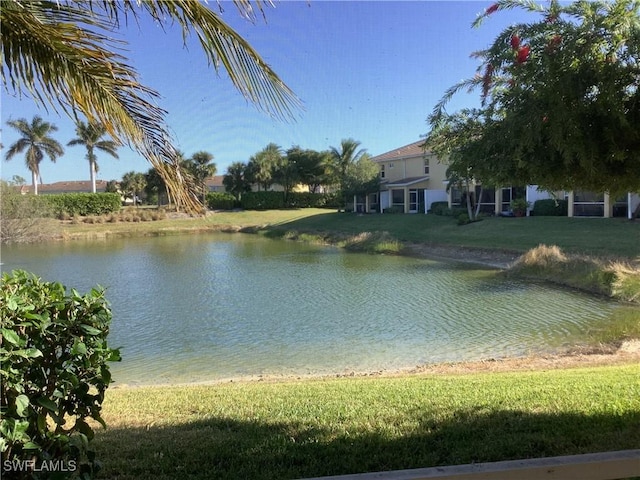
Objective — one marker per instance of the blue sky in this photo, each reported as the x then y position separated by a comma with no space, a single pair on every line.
372,71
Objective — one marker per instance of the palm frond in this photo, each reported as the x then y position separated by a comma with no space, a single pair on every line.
526,5
439,108
54,51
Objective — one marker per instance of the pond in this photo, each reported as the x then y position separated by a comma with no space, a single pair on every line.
193,308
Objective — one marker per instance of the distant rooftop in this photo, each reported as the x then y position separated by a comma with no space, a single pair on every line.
71,186
414,149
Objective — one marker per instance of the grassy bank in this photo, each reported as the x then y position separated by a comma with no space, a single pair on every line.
307,428
608,238
616,279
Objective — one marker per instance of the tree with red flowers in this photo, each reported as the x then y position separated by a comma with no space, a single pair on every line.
560,98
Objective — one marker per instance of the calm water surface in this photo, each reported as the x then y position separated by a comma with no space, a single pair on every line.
206,307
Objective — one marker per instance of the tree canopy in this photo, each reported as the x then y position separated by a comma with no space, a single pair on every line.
560,100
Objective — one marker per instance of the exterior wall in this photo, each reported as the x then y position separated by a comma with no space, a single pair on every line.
414,167
437,173
634,203
385,200
534,193
431,196
394,170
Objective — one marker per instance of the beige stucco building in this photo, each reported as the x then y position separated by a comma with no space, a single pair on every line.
410,181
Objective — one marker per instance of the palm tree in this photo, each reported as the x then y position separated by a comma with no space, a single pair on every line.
90,135
64,55
132,184
263,164
201,166
342,159
235,181
37,143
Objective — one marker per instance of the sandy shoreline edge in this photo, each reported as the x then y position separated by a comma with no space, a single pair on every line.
628,353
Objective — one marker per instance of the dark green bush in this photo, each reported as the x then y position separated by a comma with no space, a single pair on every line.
83,203
276,200
550,208
54,372
21,216
262,200
328,200
393,210
463,219
305,200
438,208
454,211
220,201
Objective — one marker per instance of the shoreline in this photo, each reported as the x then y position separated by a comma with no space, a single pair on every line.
627,353
497,259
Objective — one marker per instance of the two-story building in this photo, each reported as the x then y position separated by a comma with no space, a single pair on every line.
410,180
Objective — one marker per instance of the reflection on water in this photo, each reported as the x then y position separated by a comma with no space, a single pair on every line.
205,307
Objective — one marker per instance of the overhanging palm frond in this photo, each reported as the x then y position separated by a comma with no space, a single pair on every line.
439,108
54,52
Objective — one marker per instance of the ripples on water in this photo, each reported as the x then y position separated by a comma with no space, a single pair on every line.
200,307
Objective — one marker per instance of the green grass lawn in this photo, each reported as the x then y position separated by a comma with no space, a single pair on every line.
293,429
593,236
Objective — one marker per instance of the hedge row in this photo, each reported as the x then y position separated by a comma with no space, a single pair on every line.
277,200
221,201
550,208
82,203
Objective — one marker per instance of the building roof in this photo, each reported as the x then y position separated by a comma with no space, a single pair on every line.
215,181
412,150
71,186
405,182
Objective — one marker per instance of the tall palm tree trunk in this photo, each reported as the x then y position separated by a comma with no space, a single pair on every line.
92,168
34,181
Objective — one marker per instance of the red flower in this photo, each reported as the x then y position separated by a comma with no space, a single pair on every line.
551,18
486,80
492,9
515,41
523,54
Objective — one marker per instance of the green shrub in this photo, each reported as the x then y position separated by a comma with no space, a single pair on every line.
306,200
21,216
220,201
262,200
550,208
330,200
463,219
83,203
54,371
454,211
438,208
393,210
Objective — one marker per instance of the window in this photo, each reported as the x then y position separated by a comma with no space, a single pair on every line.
456,196
391,165
382,171
397,198
426,166
588,204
